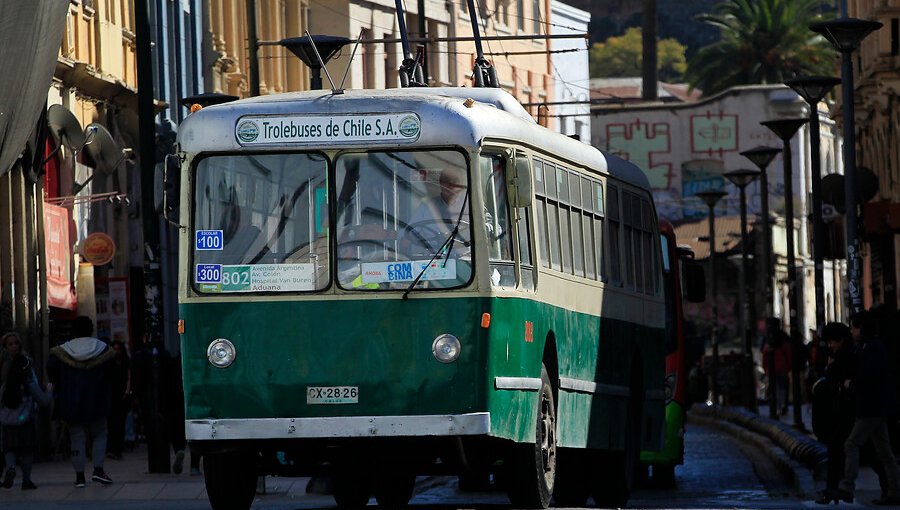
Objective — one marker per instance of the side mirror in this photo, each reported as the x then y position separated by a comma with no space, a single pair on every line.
171,165
519,181
694,283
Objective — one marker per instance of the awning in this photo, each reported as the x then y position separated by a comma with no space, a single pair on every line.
30,34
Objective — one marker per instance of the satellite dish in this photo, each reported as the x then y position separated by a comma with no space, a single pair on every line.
65,127
105,152
866,184
833,191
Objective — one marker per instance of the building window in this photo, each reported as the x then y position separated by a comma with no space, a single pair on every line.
536,15
520,14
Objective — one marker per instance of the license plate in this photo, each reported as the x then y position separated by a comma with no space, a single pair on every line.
332,395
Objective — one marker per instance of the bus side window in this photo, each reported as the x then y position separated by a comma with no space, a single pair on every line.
541,208
524,233
497,222
613,254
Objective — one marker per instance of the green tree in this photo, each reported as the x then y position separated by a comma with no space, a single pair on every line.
620,57
762,41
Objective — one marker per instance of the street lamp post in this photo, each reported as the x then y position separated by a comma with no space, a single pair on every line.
741,178
761,157
813,89
785,129
711,198
845,34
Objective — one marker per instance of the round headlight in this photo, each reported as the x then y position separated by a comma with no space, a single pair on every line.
446,348
221,353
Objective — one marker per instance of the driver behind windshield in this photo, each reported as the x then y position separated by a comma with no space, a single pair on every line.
432,221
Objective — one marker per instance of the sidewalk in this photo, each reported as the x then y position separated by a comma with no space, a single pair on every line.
131,481
797,453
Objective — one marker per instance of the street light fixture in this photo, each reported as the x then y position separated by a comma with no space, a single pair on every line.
711,198
761,157
302,47
785,129
845,34
741,178
813,89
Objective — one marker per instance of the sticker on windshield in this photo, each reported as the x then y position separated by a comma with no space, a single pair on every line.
209,240
208,273
255,278
386,272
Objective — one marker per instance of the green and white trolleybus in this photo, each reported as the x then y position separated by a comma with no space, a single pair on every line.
380,284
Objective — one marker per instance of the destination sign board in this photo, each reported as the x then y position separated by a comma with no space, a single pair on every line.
327,129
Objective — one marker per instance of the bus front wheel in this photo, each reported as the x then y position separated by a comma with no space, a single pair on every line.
532,467
394,490
230,479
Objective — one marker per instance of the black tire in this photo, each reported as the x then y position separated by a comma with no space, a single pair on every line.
230,479
612,486
352,490
573,478
532,467
394,490
664,476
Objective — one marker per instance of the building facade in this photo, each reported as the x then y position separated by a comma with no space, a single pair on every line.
80,225
685,148
877,115
523,66
572,90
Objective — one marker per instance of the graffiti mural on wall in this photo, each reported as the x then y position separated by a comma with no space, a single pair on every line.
696,176
714,134
680,158
641,143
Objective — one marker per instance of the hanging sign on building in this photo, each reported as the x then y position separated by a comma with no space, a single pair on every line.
60,291
98,249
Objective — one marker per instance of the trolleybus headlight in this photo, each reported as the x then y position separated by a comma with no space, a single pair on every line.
221,353
446,348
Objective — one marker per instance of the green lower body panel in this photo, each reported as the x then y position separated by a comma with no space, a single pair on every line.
375,356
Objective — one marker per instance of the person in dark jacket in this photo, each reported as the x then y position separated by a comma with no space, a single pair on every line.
833,408
19,393
81,371
872,392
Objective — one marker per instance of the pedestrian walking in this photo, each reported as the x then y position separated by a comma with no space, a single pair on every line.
81,371
776,353
873,394
833,407
19,393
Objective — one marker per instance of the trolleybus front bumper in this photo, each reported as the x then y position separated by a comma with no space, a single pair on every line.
339,427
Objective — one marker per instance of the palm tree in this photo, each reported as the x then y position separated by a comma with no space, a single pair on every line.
762,41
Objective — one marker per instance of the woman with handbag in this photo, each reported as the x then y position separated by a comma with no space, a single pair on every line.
19,392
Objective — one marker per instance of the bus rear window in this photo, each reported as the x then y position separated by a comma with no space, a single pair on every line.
261,223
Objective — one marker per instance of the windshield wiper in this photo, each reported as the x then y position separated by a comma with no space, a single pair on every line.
447,244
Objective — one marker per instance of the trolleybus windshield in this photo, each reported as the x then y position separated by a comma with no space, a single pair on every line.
261,223
396,214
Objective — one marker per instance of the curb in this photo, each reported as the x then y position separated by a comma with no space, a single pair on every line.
800,459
